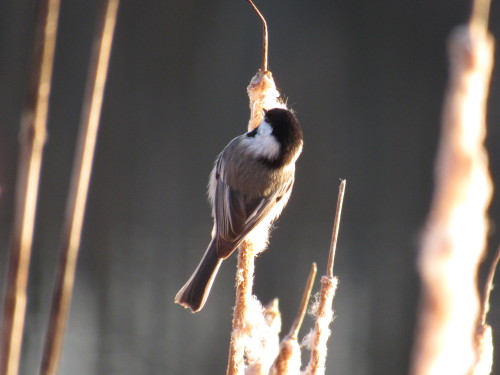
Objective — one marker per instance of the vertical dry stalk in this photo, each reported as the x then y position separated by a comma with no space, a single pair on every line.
244,285
255,335
318,338
262,94
77,197
32,140
455,233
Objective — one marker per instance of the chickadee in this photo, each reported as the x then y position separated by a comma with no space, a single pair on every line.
248,188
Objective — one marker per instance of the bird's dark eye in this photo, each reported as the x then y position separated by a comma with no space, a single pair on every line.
252,133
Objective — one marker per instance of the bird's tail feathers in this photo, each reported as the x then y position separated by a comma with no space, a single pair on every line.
194,293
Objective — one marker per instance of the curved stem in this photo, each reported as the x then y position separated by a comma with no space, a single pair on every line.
265,38
294,330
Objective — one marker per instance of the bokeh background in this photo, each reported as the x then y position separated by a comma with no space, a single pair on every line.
366,79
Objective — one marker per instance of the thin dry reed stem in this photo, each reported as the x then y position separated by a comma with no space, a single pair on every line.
335,231
77,197
32,140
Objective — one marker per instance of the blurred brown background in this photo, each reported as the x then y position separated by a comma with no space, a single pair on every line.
367,80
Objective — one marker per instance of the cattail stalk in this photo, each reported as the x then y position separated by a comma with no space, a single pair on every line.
244,285
262,94
318,338
455,233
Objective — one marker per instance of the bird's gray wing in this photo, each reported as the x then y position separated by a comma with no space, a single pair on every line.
236,216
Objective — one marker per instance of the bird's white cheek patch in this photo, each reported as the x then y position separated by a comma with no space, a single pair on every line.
264,129
265,144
